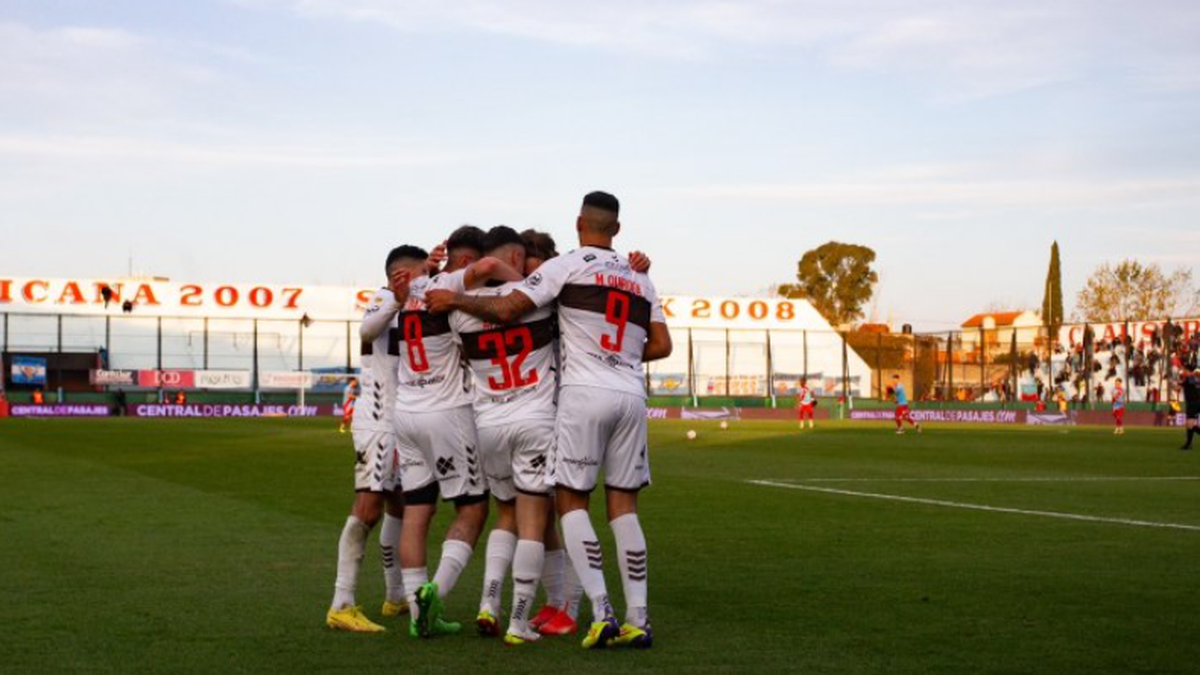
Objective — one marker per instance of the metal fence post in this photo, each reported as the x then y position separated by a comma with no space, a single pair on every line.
300,366
728,358
349,363
691,374
982,363
950,364
771,371
206,343
58,358
254,365
806,356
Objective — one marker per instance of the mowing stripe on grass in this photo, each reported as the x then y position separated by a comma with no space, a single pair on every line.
978,507
1031,479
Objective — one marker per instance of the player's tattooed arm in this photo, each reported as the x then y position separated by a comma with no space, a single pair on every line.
502,310
489,269
658,343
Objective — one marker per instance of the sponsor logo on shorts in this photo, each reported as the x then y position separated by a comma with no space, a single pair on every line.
445,466
580,462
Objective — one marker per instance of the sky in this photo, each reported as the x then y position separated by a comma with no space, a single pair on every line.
296,141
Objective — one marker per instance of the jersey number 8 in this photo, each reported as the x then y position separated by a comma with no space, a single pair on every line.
414,340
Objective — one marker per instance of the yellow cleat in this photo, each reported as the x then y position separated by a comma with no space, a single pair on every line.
601,633
488,624
352,620
392,610
518,639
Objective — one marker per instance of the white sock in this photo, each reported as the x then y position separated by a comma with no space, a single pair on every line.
455,556
631,558
414,579
351,548
389,547
572,590
552,577
501,548
527,568
583,547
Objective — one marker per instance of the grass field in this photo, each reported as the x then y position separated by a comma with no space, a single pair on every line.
209,546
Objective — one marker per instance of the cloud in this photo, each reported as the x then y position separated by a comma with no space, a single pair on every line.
95,75
1067,193
960,48
109,149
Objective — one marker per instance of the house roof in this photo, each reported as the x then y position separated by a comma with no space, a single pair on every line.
1001,319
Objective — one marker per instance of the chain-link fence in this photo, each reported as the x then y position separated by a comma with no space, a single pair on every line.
988,364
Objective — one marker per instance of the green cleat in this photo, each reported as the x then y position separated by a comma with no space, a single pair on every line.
429,609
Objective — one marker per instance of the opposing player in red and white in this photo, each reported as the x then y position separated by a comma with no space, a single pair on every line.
438,446
1118,407
805,402
611,322
375,476
902,412
349,399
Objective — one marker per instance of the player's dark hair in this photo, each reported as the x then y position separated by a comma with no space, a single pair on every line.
603,201
501,235
539,245
467,236
406,253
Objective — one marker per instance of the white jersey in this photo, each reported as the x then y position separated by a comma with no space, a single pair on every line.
432,374
515,367
604,314
379,332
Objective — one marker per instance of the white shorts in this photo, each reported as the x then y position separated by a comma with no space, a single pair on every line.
440,446
600,428
515,457
376,467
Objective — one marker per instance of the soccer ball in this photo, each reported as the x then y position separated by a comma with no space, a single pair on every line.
691,434
724,426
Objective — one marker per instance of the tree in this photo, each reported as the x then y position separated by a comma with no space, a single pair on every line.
1052,301
1134,291
837,279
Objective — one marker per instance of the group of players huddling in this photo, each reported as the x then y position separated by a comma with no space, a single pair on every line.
494,370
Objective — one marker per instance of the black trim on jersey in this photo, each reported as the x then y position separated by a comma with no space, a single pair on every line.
542,331
431,324
595,299
368,347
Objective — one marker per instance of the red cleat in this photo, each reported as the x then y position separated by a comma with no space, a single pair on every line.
561,624
548,612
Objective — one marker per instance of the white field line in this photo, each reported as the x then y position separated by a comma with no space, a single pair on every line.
979,507
1017,479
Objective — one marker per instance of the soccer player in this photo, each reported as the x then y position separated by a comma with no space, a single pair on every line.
564,591
1118,407
902,413
349,397
438,447
1189,381
375,476
804,405
515,384
611,322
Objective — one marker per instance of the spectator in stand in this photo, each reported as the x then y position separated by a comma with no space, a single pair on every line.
39,398
180,398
